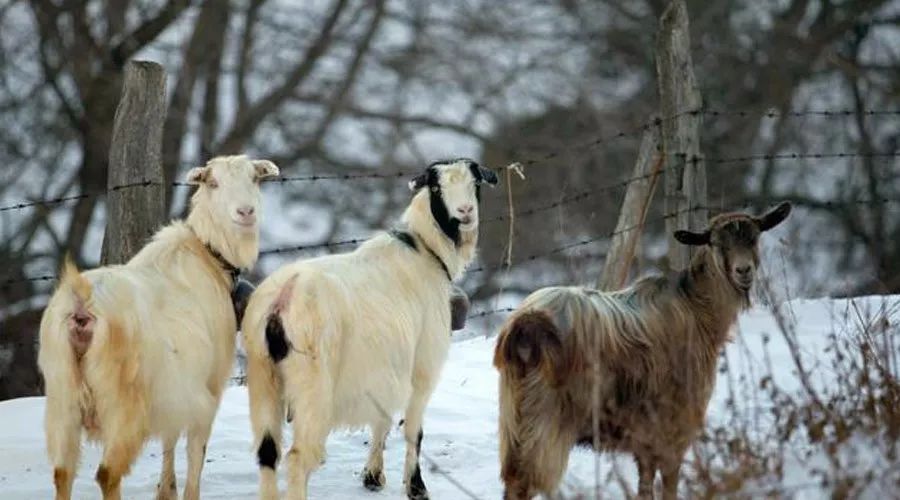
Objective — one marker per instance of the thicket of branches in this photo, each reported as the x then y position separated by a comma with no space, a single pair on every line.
348,85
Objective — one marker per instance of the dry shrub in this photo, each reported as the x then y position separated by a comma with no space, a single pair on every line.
837,435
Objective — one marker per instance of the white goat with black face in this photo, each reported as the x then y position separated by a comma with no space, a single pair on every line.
348,340
144,349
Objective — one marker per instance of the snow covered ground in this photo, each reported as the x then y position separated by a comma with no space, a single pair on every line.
460,428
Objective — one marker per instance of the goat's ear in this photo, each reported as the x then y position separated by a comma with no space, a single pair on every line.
418,182
482,174
692,238
774,217
265,168
197,175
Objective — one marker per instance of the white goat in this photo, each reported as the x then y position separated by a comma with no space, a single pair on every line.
347,340
144,349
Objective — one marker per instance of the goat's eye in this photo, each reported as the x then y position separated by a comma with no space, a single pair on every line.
212,183
435,189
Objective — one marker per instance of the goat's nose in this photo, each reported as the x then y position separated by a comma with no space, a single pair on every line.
743,270
465,209
246,211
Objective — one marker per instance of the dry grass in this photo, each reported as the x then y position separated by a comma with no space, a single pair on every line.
837,435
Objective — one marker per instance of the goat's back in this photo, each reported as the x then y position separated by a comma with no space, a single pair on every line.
364,320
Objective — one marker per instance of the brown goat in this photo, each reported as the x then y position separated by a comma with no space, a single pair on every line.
630,370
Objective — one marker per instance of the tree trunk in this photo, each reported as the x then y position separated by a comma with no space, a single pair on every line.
680,103
634,211
136,199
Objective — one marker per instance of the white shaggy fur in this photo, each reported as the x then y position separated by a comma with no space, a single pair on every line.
368,333
156,343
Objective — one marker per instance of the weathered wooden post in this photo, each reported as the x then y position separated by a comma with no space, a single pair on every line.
136,201
638,195
680,105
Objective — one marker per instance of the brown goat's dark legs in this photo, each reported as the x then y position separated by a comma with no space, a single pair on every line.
670,473
646,473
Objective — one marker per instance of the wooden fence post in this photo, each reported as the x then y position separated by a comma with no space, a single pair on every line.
638,195
135,204
680,105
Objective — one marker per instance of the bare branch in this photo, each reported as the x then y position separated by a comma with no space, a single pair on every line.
245,124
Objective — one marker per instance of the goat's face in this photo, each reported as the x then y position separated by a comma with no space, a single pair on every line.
229,187
454,189
735,239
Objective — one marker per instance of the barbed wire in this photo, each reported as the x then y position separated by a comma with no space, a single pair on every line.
743,204
799,156
771,113
311,246
636,130
62,199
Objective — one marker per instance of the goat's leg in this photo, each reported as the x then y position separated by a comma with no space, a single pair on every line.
670,471
412,431
373,474
63,430
167,488
118,455
646,472
197,438
309,393
307,451
266,416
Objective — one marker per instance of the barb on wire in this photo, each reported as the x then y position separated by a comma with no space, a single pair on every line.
325,177
577,197
313,246
771,113
482,314
63,199
798,156
281,180
10,282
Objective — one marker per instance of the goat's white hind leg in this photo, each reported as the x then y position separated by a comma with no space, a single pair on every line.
167,488
266,417
412,431
373,474
197,438
307,451
309,394
63,430
119,452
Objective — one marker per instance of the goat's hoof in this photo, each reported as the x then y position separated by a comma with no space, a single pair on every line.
167,492
417,494
373,480
415,489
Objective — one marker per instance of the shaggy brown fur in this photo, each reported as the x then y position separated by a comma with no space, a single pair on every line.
630,371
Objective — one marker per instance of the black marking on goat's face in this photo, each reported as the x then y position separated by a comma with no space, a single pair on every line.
454,190
275,340
448,224
267,452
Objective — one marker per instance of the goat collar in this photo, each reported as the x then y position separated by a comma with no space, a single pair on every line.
411,240
233,271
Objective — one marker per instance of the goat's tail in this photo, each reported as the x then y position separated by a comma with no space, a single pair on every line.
81,316
530,342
